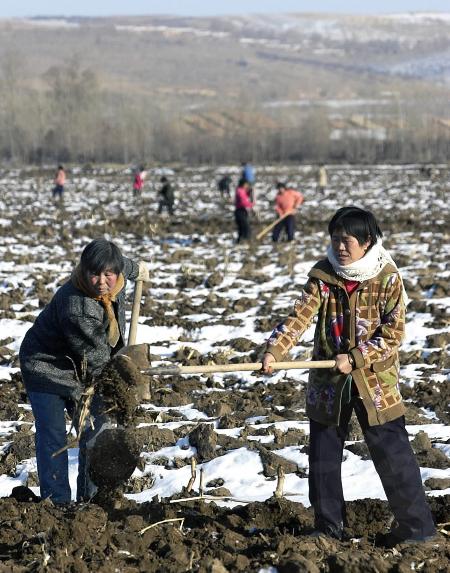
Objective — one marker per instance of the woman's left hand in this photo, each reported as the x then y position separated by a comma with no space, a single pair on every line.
343,364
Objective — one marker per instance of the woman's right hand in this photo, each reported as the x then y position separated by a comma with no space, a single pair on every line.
267,359
144,274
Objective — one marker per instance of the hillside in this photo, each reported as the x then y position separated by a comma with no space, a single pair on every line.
342,75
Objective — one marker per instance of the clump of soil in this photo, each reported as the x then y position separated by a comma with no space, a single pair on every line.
119,385
432,395
272,462
204,439
214,279
113,457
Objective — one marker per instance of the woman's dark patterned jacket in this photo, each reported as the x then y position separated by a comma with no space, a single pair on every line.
369,324
71,327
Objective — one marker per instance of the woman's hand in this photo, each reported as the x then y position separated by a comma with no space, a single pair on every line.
267,359
343,364
144,274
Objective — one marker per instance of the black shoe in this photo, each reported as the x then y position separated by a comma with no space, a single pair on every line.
395,537
329,530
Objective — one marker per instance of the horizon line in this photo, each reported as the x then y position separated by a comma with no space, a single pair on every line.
250,13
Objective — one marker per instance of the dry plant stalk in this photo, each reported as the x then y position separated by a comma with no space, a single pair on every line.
291,260
85,401
280,482
85,410
46,555
200,487
193,475
142,531
226,263
191,560
212,498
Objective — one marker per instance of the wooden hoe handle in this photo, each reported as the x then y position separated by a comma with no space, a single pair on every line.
135,312
241,367
261,234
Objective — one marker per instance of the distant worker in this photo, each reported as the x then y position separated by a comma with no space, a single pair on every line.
138,182
60,180
223,185
167,196
322,179
248,173
287,202
243,204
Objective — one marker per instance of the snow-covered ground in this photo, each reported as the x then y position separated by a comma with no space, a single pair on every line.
95,201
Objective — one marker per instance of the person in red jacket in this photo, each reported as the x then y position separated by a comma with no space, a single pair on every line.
243,204
138,182
287,202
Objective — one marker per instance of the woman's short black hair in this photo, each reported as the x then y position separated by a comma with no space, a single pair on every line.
101,255
356,222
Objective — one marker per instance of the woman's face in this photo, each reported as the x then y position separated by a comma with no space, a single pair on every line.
103,282
346,247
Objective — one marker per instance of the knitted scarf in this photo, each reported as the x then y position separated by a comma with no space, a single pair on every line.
369,266
79,281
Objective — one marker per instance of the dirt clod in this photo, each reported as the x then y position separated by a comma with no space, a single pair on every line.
204,439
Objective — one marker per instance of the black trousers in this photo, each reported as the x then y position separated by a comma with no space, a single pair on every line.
243,224
394,462
288,224
165,204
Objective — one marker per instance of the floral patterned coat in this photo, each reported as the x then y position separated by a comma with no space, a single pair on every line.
369,324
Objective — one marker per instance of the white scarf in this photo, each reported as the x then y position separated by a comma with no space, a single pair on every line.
369,266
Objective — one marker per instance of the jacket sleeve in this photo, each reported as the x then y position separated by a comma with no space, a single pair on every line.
388,335
278,207
86,340
246,201
286,335
130,269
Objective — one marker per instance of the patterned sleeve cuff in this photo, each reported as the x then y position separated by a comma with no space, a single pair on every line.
358,358
276,353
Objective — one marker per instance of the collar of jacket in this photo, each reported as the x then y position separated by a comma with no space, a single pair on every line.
324,271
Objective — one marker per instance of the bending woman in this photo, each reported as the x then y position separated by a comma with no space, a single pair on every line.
71,341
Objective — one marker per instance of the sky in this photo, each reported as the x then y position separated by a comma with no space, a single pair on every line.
24,8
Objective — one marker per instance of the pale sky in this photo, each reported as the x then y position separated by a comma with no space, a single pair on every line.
21,8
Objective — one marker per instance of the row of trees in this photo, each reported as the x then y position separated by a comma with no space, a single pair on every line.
75,119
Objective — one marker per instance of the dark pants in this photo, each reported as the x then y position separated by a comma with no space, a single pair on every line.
288,224
58,191
49,414
243,224
394,462
165,204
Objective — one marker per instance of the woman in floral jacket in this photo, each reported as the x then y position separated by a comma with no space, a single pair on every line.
358,296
